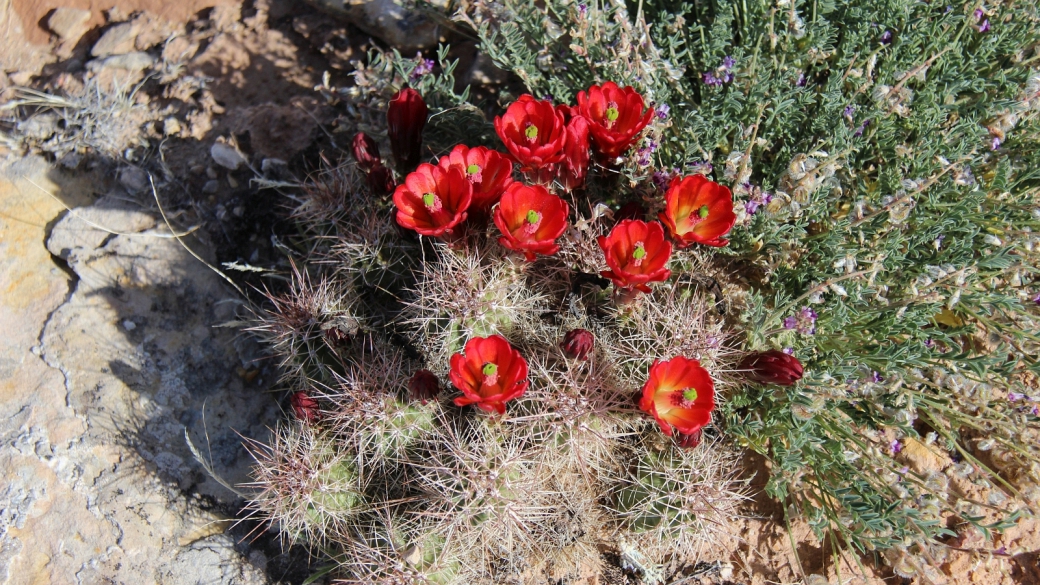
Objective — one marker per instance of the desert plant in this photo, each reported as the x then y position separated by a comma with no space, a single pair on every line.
867,253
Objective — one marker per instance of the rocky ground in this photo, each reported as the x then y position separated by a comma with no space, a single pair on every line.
123,399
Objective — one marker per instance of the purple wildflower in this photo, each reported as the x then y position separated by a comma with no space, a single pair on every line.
757,200
995,143
662,111
583,9
801,80
710,79
1015,396
424,67
728,62
876,377
1036,299
849,110
929,343
984,27
939,241
662,178
895,446
789,350
804,321
727,77
886,37
700,167
979,14
862,127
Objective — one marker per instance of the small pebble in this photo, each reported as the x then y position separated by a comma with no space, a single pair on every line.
129,325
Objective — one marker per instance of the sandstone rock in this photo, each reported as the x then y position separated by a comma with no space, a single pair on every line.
69,24
922,458
226,155
117,40
93,412
390,20
136,61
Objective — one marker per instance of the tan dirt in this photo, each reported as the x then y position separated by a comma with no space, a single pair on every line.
33,13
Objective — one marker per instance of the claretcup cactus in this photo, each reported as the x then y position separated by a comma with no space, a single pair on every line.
484,413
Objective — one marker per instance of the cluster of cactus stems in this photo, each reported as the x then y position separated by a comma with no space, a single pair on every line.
494,373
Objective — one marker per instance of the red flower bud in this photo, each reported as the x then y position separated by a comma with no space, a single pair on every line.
366,152
577,344
304,407
489,374
424,386
636,253
689,440
679,393
530,219
405,118
488,170
575,165
616,117
698,211
432,201
533,131
381,180
773,367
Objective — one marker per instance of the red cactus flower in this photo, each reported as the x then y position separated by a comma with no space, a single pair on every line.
530,219
698,210
773,367
616,117
575,164
488,170
424,386
304,407
406,118
490,373
365,151
636,253
381,180
432,200
533,131
577,344
679,393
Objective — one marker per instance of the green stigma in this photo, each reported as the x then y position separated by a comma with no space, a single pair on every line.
639,253
612,114
490,369
531,131
429,199
689,394
472,169
703,211
533,217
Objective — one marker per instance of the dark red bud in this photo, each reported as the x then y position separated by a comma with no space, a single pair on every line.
406,117
577,344
381,180
630,210
690,440
424,386
772,367
304,407
366,152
